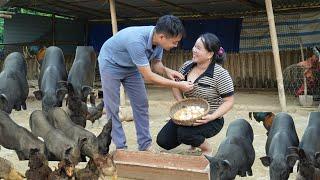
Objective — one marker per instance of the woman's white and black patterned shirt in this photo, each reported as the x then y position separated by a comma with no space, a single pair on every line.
213,85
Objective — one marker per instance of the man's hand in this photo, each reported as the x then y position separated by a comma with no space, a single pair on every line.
204,120
173,75
185,86
149,76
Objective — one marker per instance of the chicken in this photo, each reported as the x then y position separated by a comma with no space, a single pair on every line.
265,117
7,171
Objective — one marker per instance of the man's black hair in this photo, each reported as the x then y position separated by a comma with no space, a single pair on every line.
170,25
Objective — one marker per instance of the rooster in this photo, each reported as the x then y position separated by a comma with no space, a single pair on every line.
265,117
7,171
38,166
104,138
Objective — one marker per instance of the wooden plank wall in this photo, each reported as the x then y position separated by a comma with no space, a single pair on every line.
248,70
33,71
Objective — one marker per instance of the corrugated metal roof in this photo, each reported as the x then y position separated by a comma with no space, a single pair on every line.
138,9
25,29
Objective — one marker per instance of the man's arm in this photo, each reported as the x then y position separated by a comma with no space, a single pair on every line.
159,68
139,58
157,79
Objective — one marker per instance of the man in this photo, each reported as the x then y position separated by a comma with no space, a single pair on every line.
124,58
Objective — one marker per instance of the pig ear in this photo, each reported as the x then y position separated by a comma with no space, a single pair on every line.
317,157
62,90
3,100
81,141
61,93
293,149
62,84
291,159
86,90
38,94
302,154
70,89
226,165
266,161
209,158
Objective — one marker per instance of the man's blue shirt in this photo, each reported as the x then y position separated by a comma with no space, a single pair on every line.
129,48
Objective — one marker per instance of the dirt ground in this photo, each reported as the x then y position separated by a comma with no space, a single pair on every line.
160,100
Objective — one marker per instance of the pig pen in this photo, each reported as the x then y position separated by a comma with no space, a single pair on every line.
160,100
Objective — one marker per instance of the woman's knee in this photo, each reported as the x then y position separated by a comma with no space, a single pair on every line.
163,142
213,129
167,141
167,137
190,136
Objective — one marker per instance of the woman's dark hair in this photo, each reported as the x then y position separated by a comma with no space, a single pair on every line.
170,25
212,44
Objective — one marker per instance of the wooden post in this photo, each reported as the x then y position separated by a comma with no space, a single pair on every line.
114,31
113,17
275,49
304,77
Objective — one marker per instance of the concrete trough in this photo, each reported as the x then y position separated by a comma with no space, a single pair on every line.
159,166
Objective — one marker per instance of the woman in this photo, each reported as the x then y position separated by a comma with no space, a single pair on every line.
211,82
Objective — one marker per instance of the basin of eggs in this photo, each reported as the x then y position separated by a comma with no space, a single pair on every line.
188,113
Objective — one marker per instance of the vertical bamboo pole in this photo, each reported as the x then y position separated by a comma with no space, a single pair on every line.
243,69
256,69
250,65
113,17
263,69
304,77
114,31
275,49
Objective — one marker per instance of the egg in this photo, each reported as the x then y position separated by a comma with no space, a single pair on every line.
189,112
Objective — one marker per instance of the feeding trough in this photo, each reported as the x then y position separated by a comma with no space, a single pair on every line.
156,166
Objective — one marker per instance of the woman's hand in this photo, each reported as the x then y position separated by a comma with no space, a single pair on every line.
223,109
204,120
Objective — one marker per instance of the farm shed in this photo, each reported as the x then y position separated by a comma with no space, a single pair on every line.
241,25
